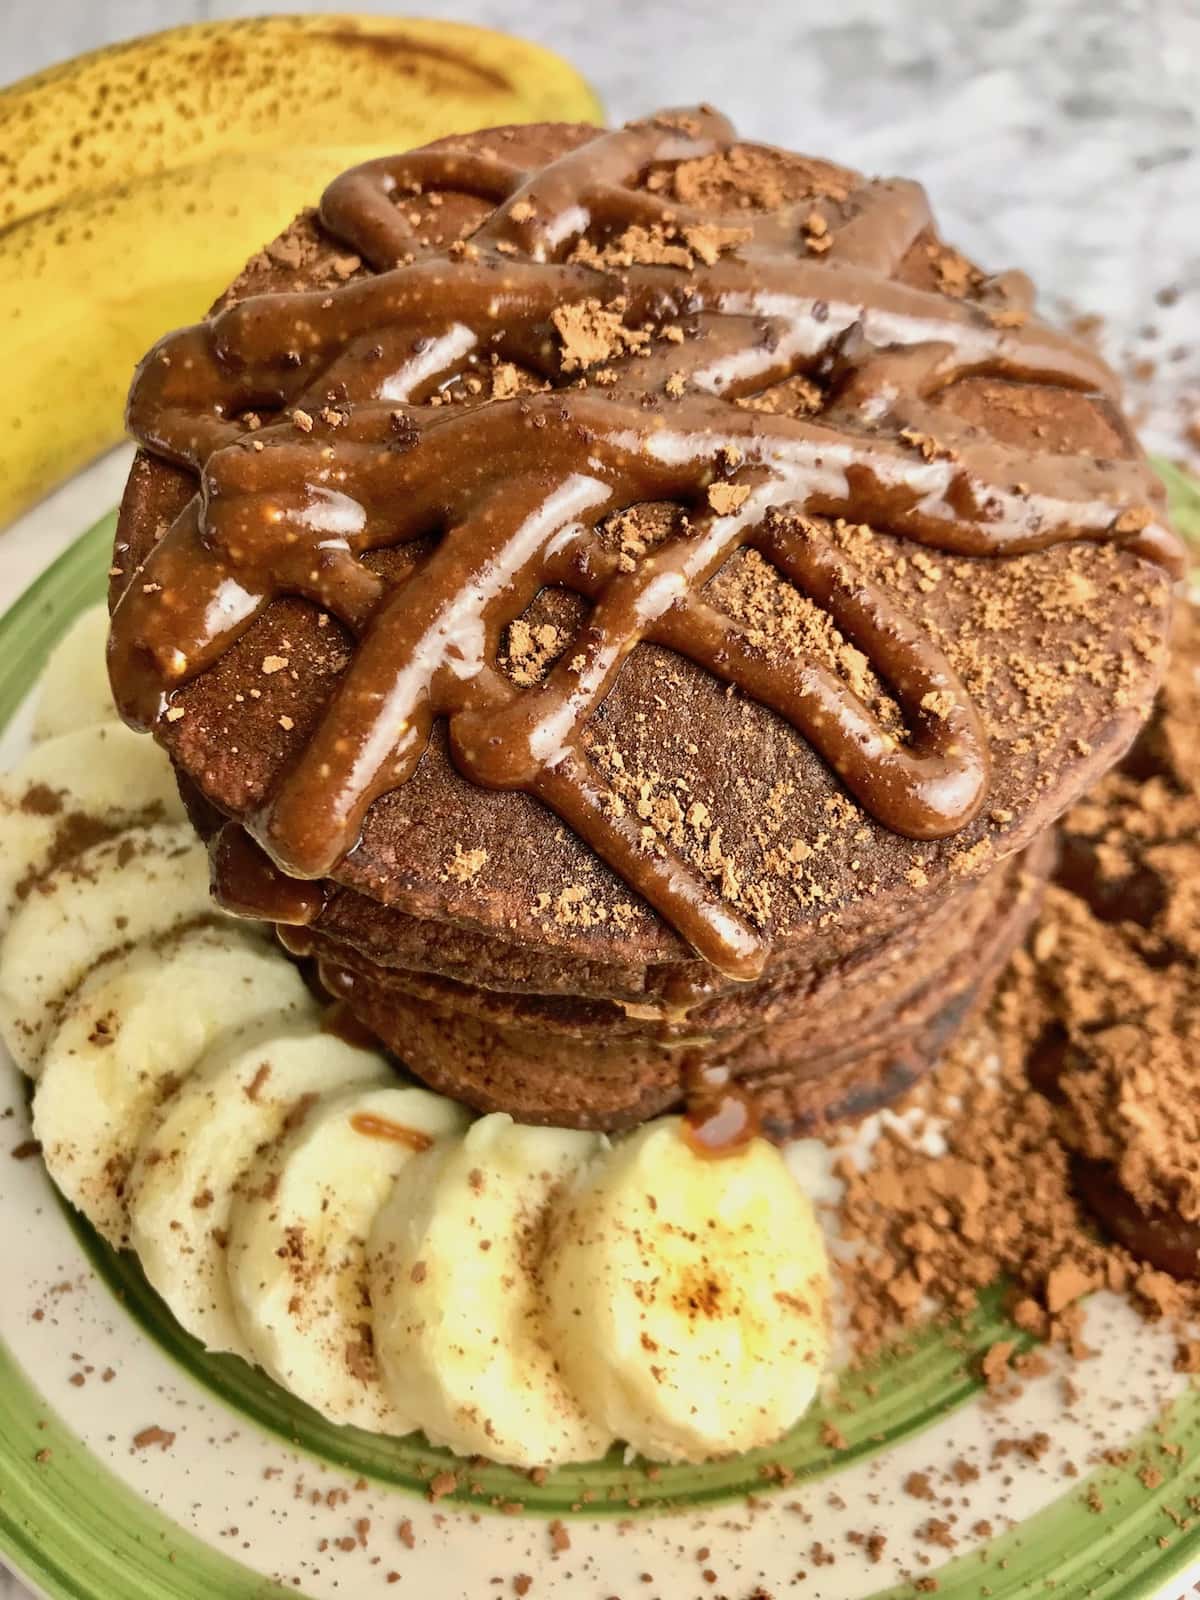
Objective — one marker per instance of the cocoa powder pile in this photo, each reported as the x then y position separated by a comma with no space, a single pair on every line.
1066,1124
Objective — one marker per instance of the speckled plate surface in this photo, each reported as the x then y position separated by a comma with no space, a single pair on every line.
253,1492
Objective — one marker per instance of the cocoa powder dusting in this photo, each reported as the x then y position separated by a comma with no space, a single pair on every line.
1069,1115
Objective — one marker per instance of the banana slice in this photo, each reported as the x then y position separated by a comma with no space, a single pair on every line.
687,1298
145,881
180,1191
74,689
134,1027
297,1243
453,1274
67,791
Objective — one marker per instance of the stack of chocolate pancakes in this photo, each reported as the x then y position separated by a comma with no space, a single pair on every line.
630,606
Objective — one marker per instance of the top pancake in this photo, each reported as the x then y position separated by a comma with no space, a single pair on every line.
1060,650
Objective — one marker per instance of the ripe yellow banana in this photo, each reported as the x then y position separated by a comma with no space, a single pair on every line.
138,179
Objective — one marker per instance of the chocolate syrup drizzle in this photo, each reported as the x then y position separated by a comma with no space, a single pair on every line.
513,491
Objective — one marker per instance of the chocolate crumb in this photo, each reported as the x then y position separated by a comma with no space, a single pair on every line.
154,1435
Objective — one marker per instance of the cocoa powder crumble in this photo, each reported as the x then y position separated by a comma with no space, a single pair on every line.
149,1437
591,332
465,864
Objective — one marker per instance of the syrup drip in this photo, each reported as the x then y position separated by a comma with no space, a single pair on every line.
249,884
375,1127
721,1116
722,1124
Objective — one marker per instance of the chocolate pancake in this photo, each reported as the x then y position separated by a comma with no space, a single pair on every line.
841,1047
643,569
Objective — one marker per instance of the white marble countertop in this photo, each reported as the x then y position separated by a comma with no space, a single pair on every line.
1061,136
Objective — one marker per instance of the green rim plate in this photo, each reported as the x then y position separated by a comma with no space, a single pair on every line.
79,1531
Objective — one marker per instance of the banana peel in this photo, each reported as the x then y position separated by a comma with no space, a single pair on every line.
136,181
83,297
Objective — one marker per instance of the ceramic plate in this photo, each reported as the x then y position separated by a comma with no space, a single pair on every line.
133,1464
